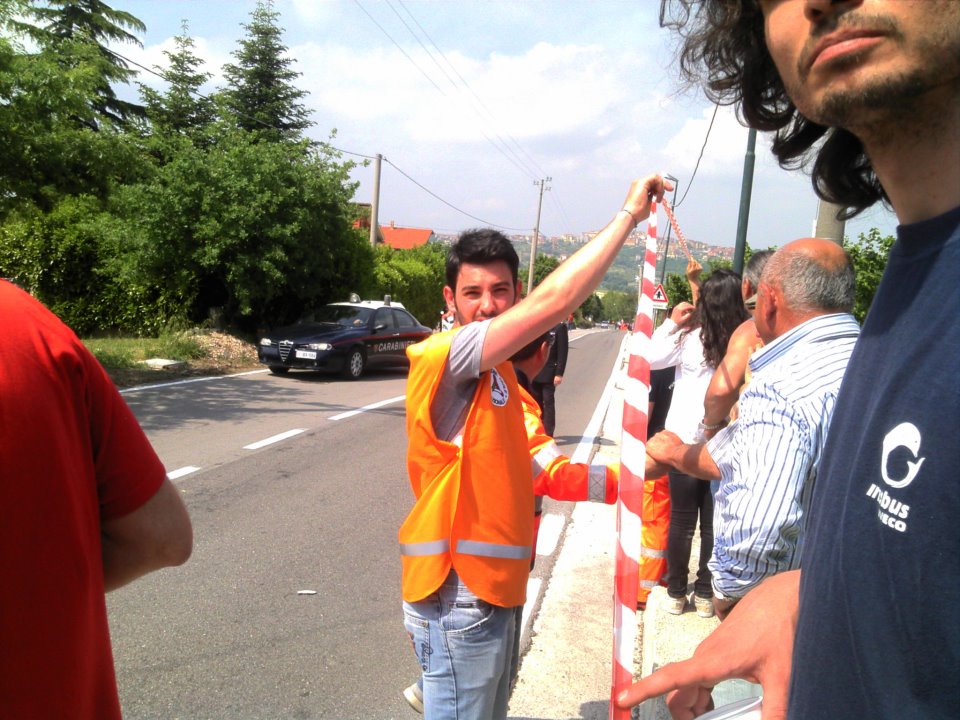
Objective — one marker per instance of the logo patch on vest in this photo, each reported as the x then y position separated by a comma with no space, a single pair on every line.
498,389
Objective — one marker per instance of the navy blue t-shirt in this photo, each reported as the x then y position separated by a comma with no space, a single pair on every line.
879,629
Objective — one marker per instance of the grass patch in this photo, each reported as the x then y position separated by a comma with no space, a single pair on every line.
129,352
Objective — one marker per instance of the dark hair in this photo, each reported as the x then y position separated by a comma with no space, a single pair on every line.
724,50
480,246
754,267
530,349
720,311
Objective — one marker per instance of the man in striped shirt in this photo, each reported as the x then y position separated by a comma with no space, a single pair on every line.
767,460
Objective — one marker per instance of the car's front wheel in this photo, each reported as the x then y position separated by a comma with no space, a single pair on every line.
355,364
279,369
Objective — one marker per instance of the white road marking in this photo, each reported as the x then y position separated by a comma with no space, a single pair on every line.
365,408
551,525
585,447
180,472
191,380
273,439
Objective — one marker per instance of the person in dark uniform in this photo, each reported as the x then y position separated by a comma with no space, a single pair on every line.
546,381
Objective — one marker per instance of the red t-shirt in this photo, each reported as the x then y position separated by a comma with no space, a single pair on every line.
71,456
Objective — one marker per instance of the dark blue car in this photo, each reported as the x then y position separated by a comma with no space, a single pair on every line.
343,338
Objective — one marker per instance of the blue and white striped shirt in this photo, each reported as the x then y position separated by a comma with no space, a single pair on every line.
768,458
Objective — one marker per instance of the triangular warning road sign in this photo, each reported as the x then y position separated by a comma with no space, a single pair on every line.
660,298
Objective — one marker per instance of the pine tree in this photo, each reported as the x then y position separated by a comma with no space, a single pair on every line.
181,109
261,93
96,23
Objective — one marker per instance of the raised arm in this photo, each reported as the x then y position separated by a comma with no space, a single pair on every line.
565,289
728,378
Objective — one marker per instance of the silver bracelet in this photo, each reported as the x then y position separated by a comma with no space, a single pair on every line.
635,221
717,426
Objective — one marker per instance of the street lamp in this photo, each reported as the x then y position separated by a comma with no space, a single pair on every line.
666,242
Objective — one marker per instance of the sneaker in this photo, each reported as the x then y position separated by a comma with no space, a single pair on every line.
675,606
704,607
414,696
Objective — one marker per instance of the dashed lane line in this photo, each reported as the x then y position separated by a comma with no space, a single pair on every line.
180,472
273,439
365,408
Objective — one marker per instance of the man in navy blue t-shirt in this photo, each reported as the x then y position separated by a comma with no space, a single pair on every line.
869,92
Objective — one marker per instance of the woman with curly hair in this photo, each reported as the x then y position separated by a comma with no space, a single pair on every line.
694,339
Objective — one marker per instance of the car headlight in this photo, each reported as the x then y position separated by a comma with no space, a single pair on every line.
266,342
320,346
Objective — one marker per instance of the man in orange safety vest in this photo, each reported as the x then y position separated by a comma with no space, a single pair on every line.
466,544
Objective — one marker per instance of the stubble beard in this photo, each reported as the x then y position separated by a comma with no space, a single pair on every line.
885,105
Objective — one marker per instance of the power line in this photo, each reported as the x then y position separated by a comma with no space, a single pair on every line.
503,148
449,204
702,148
540,171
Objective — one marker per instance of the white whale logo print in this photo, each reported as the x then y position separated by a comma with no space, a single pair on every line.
903,435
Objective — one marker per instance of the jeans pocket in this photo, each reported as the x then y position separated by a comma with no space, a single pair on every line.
466,616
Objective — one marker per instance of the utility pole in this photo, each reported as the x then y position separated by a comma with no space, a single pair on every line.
375,201
746,189
829,225
536,232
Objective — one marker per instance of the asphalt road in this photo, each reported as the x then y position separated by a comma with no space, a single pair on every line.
289,607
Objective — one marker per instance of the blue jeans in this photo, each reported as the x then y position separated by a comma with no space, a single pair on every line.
464,646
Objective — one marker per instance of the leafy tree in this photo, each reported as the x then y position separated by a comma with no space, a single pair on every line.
49,148
414,277
619,306
255,231
261,93
869,255
677,289
590,311
95,23
543,265
181,110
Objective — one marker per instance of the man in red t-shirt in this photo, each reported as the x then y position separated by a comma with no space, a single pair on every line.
87,508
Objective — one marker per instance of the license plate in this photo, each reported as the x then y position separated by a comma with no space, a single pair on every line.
306,354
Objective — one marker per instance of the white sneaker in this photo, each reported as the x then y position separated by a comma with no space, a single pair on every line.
704,607
674,605
414,696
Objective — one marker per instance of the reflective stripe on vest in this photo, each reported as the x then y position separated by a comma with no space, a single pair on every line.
434,547
651,552
648,584
597,483
494,550
546,455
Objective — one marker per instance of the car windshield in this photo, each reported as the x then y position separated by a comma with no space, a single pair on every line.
345,315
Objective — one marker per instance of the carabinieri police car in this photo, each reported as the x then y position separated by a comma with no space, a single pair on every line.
344,337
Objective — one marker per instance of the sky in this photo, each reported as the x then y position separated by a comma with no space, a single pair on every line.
472,103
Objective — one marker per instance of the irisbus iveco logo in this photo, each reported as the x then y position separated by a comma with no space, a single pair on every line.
897,471
903,435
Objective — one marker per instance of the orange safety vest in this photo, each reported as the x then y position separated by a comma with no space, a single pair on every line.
555,476
474,498
655,519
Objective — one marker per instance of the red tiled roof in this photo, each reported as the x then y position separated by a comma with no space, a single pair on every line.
405,238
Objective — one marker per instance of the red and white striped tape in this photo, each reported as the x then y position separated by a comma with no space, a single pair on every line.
630,494
676,229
